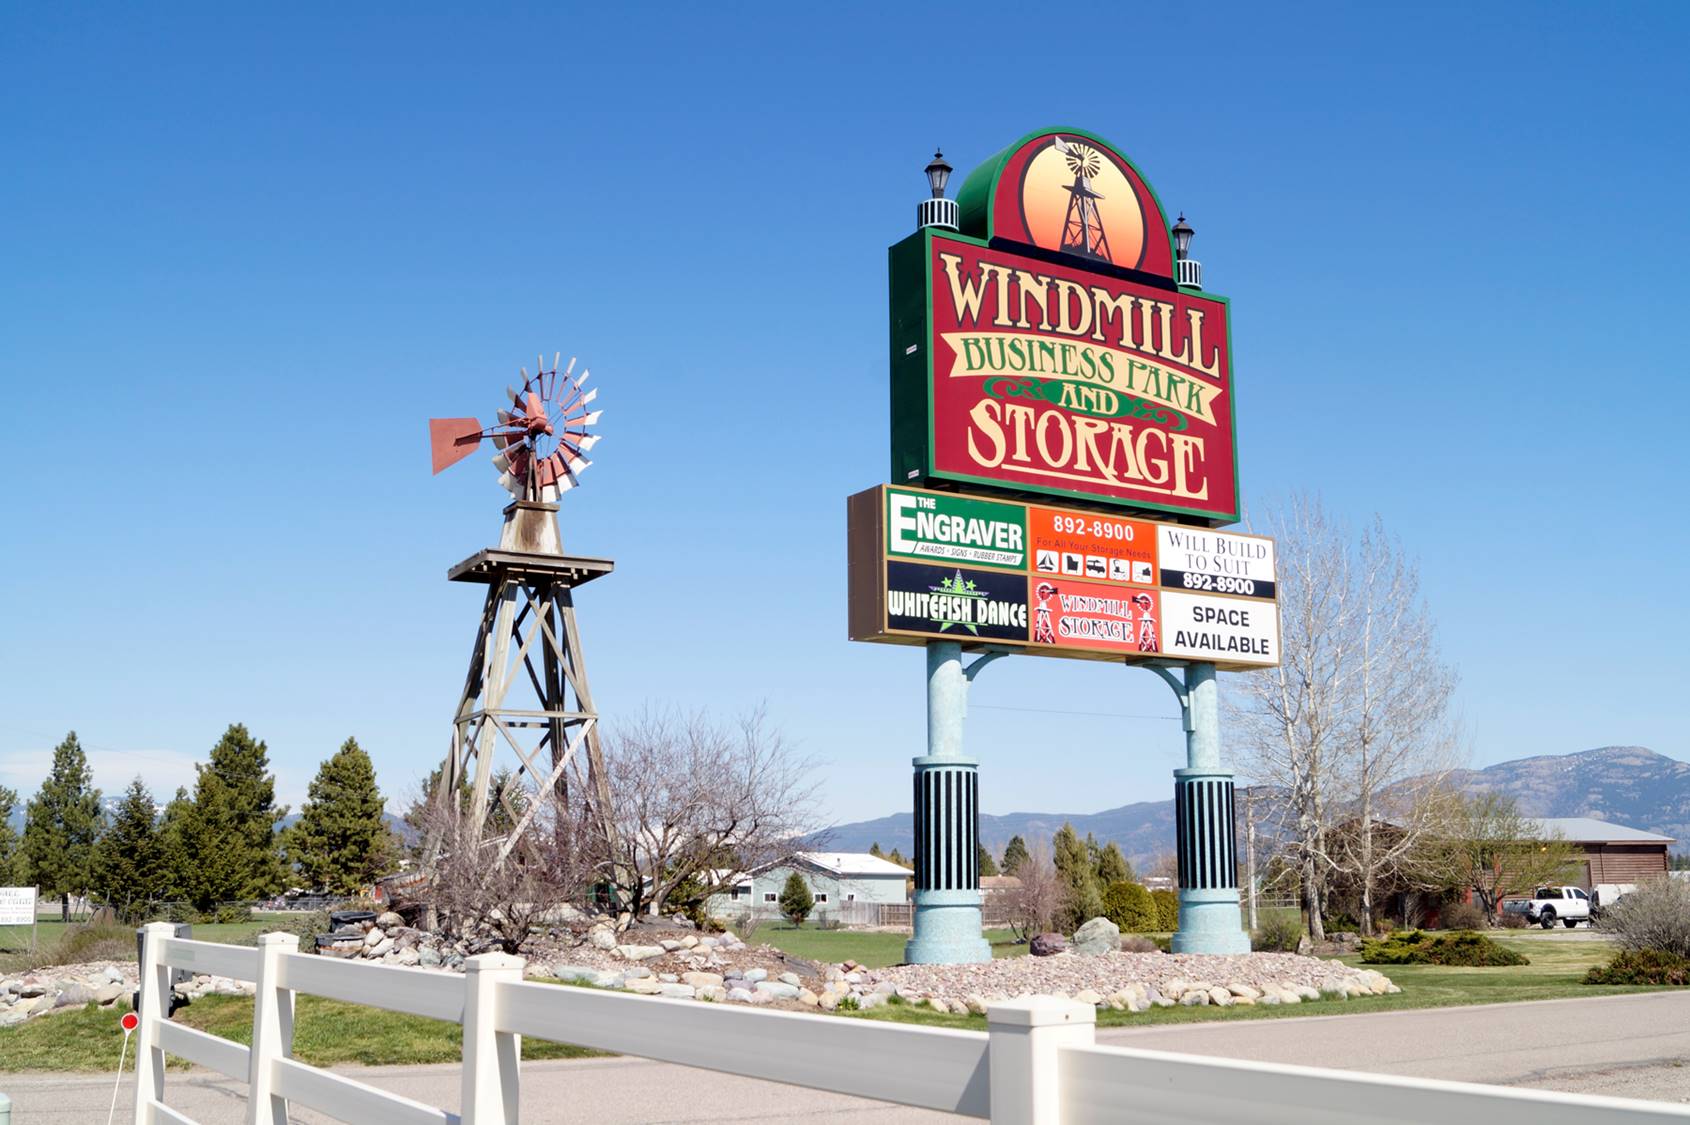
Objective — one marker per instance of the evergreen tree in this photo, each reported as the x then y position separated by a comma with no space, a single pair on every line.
173,859
1075,865
12,867
1131,908
874,850
1014,855
897,857
341,842
987,865
129,861
796,902
1112,866
63,825
230,832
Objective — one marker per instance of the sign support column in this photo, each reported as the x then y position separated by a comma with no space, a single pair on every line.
946,920
1209,917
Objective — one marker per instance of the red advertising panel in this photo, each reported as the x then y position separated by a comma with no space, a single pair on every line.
1093,617
1046,377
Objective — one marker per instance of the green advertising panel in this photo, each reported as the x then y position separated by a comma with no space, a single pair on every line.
955,529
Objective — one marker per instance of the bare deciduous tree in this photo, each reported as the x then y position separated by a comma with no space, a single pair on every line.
1042,896
1354,725
475,896
697,802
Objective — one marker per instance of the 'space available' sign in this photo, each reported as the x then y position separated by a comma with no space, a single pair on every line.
1057,581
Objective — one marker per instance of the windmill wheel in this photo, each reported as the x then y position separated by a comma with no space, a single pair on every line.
544,437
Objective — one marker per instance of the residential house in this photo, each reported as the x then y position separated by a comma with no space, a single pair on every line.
852,887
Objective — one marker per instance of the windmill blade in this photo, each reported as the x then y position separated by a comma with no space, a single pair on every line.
452,439
1062,146
510,392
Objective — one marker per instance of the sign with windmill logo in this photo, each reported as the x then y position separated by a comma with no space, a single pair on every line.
1046,348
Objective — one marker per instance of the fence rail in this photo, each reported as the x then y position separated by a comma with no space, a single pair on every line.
1037,1064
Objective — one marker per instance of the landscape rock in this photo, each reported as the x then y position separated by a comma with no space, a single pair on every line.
1097,937
1045,945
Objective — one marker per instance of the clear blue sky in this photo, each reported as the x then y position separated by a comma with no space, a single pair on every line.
245,254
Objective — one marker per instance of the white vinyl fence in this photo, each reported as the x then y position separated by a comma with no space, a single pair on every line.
1036,1065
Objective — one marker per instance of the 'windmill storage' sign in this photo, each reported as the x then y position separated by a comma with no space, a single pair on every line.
1047,349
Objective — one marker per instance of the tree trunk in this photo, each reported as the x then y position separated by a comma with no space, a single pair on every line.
64,907
1311,899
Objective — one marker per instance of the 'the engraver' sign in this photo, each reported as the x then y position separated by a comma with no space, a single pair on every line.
1041,356
1057,581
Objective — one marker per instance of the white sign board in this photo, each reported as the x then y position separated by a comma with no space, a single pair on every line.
17,906
1225,630
1215,562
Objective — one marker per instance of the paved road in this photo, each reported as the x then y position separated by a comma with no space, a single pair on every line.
1626,1046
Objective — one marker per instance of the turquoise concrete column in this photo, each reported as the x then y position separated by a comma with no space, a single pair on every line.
1209,917
947,819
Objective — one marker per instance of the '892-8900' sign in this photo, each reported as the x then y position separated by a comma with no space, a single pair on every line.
929,565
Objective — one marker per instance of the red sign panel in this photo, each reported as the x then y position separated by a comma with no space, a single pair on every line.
1050,378
1087,615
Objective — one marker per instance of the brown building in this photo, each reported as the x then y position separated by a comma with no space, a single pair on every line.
1610,853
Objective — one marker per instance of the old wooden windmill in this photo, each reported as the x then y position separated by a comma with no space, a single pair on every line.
525,699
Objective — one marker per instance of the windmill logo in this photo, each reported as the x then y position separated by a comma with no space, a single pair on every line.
1076,199
1082,229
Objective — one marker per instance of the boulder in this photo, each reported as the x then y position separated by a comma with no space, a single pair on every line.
1194,999
702,980
1244,992
755,975
1219,997
1097,937
602,937
740,995
777,990
428,957
374,937
640,952
644,986
828,1002
73,995
711,992
676,991
389,920
1089,996
408,956
383,947
789,978
1044,945
575,973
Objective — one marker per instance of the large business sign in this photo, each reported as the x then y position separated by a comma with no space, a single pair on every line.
1053,581
1046,348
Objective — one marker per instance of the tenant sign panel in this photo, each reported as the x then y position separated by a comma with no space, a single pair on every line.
927,565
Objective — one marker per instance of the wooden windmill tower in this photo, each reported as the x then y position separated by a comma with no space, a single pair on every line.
525,700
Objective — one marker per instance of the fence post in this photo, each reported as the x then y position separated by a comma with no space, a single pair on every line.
272,1031
490,1087
155,1005
1026,1036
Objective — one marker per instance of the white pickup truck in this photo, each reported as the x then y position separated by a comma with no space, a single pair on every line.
1548,905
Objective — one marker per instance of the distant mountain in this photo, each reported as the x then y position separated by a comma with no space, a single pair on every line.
1627,785
1144,830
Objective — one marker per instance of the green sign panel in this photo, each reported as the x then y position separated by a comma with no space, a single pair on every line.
955,529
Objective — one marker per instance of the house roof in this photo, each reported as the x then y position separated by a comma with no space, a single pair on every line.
852,863
1589,830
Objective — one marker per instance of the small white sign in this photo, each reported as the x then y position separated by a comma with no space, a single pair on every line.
17,906
1225,630
1219,554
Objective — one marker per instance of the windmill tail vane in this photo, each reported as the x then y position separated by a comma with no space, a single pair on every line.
542,438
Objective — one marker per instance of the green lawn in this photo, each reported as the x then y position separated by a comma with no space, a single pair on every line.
113,943
326,1032
871,948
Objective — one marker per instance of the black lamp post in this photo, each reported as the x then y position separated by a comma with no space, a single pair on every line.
937,211
1182,238
938,174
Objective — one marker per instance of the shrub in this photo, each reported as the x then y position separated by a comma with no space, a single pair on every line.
1138,943
1511,920
1461,916
1416,947
1656,916
1279,932
306,926
1642,966
1167,910
849,1004
1130,907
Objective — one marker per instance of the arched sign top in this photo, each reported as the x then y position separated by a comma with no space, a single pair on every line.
1069,192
